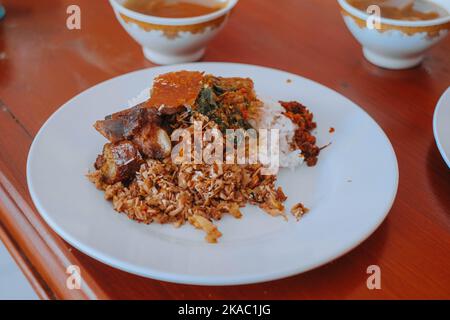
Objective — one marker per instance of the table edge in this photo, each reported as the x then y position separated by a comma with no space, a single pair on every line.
43,260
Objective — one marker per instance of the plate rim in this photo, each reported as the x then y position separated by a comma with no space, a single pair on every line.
174,277
437,110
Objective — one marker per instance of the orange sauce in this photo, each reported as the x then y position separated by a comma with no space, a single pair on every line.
416,10
174,8
176,89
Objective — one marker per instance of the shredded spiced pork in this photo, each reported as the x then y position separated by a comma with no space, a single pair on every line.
304,140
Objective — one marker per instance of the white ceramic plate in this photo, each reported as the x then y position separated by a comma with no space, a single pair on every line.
349,192
441,126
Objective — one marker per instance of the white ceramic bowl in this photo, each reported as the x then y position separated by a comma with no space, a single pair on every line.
397,44
172,40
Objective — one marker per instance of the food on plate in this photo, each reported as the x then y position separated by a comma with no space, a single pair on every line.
303,139
139,171
299,210
125,124
175,91
141,125
118,162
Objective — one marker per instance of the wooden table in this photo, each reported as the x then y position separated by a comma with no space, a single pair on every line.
43,64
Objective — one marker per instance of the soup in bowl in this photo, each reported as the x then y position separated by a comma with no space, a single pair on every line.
173,31
395,34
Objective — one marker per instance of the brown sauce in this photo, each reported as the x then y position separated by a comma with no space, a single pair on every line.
416,10
174,8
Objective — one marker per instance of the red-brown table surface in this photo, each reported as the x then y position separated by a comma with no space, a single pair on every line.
43,64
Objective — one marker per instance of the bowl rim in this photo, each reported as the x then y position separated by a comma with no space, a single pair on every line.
119,7
402,23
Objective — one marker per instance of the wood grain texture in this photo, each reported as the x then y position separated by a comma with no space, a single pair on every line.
43,64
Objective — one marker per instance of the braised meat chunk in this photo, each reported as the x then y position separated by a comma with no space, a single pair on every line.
141,126
118,162
153,142
125,124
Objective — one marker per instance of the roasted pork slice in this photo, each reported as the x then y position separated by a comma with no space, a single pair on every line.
119,162
175,91
153,142
125,124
